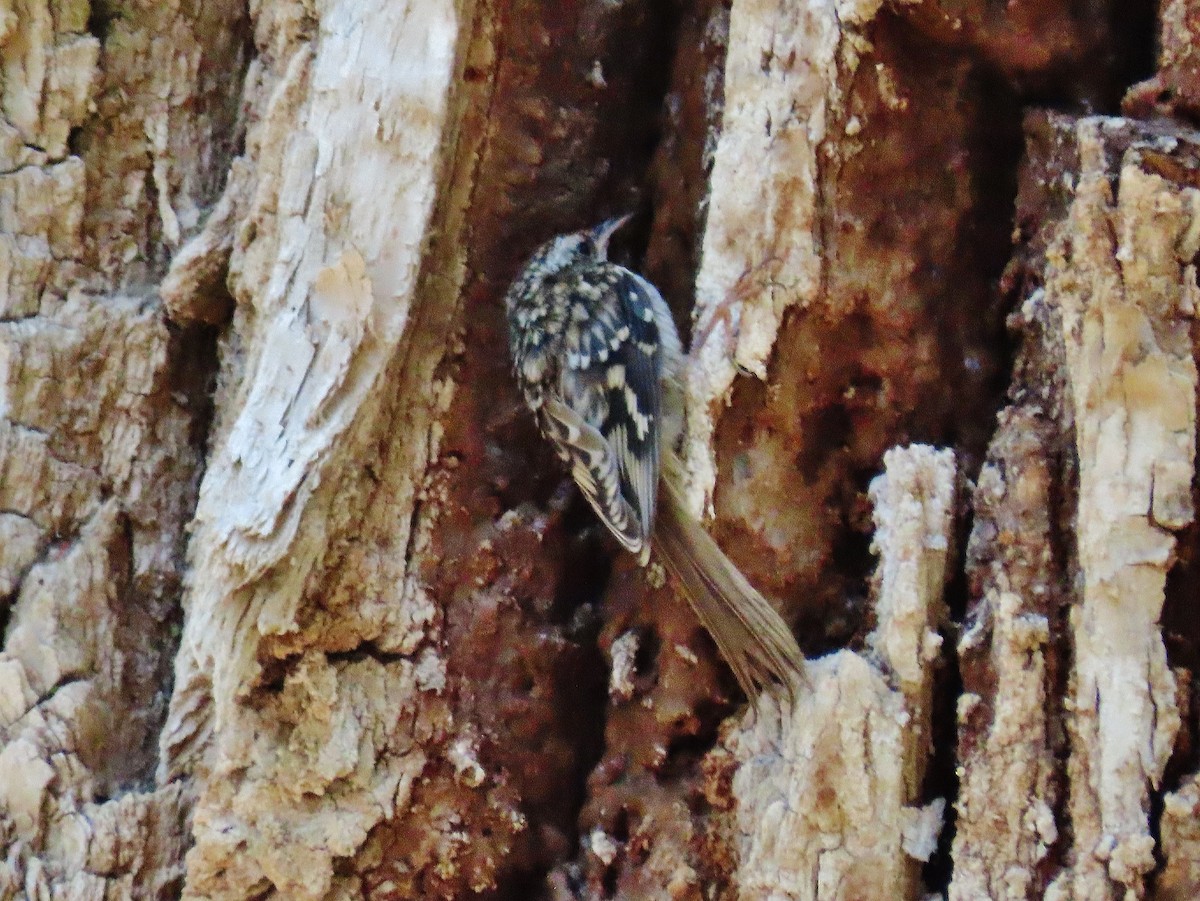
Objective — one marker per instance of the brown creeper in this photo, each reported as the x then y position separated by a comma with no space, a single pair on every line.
598,358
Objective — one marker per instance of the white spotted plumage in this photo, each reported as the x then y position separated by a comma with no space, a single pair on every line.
592,345
597,356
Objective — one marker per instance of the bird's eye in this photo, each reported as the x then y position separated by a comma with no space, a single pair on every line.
587,245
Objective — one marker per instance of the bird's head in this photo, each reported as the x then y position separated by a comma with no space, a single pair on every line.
574,248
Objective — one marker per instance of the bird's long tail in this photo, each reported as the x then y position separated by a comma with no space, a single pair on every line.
751,635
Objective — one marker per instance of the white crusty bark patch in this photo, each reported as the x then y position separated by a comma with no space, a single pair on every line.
1123,277
827,793
786,76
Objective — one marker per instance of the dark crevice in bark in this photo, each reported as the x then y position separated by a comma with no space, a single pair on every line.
193,381
1133,53
848,624
152,607
1060,652
941,776
76,139
100,18
587,565
1181,634
997,144
6,609
124,757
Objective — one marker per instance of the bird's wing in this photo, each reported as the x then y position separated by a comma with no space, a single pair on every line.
595,470
613,377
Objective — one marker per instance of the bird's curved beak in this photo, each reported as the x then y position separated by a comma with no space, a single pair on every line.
603,232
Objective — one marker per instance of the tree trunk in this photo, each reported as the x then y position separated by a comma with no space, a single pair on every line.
298,604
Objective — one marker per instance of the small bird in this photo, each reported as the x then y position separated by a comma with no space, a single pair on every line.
599,361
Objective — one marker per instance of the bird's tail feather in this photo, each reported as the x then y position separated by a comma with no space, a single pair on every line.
751,635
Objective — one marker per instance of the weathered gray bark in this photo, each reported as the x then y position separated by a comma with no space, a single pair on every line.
298,605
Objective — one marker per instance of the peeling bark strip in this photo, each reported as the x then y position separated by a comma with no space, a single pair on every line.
828,799
1124,277
782,86
296,752
1107,376
1009,712
915,501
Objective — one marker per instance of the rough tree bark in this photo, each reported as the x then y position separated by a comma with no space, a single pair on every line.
297,605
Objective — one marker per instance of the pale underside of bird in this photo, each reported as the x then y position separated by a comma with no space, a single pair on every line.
599,362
